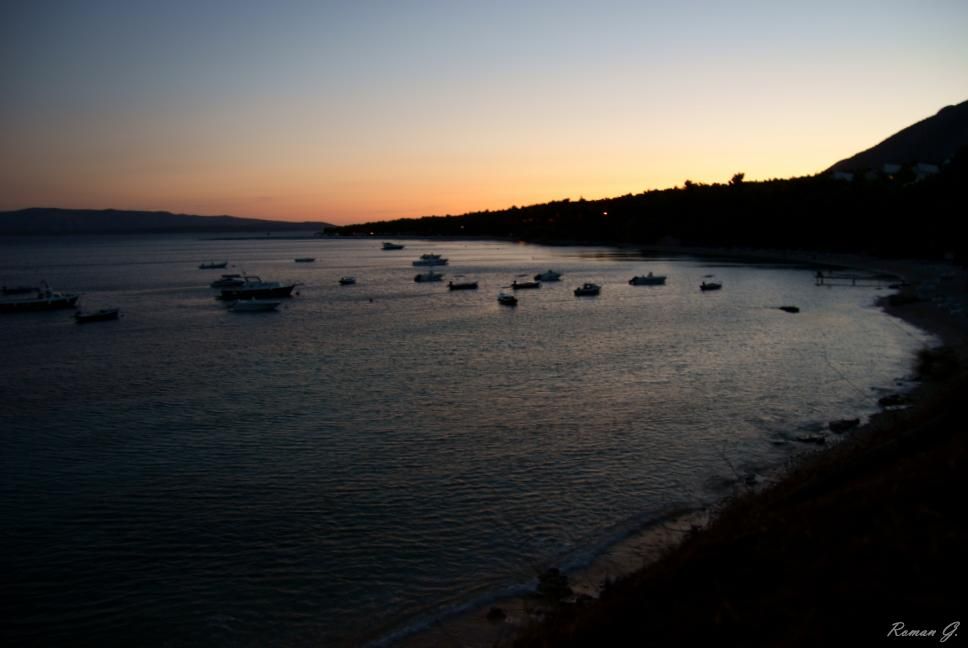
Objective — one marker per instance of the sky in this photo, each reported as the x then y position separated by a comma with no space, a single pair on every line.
369,110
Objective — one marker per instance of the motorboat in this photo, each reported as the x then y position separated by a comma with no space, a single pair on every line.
43,299
710,285
101,315
522,285
507,299
392,246
462,285
212,265
551,275
430,260
228,281
347,281
430,275
305,259
588,290
255,288
254,305
648,280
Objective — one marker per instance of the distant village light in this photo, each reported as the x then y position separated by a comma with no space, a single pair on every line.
604,213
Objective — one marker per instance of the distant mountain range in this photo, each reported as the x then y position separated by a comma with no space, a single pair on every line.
43,220
934,140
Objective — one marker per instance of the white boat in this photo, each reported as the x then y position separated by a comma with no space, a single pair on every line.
551,275
430,260
648,280
430,275
587,290
507,299
43,299
254,288
523,285
347,281
254,305
392,246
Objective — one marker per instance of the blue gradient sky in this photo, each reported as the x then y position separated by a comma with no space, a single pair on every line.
350,111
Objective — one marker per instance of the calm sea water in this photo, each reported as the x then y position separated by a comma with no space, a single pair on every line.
374,455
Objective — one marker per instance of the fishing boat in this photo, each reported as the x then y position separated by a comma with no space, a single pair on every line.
507,299
523,285
101,315
43,299
254,288
462,285
430,275
648,280
212,265
710,285
588,290
392,246
551,275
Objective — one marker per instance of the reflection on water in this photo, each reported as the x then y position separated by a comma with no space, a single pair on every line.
373,453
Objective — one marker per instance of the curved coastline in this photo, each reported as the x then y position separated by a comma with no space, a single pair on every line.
658,545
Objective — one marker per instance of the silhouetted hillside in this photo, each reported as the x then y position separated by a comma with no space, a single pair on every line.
933,140
42,220
878,215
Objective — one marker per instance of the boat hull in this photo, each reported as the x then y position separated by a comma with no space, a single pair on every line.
44,304
233,294
102,315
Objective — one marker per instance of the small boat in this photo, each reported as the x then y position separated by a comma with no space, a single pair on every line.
648,280
212,265
710,285
430,260
842,425
347,281
790,309
551,275
254,305
98,315
254,288
44,299
228,281
507,299
392,246
462,285
521,285
588,290
305,259
430,275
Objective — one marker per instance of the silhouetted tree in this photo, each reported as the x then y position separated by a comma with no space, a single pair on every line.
737,179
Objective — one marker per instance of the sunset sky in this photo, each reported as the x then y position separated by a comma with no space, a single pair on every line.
366,110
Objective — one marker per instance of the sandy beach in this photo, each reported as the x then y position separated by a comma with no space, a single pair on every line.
932,298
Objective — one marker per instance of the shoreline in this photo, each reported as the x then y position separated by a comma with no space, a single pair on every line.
921,306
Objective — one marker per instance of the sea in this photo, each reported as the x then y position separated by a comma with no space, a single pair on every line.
375,457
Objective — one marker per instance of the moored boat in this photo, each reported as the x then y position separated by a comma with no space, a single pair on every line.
523,285
648,280
392,246
430,260
43,299
305,259
588,290
551,275
212,265
507,299
100,315
462,285
255,288
347,281
710,285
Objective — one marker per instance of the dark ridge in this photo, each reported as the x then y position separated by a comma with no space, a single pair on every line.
53,221
934,140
